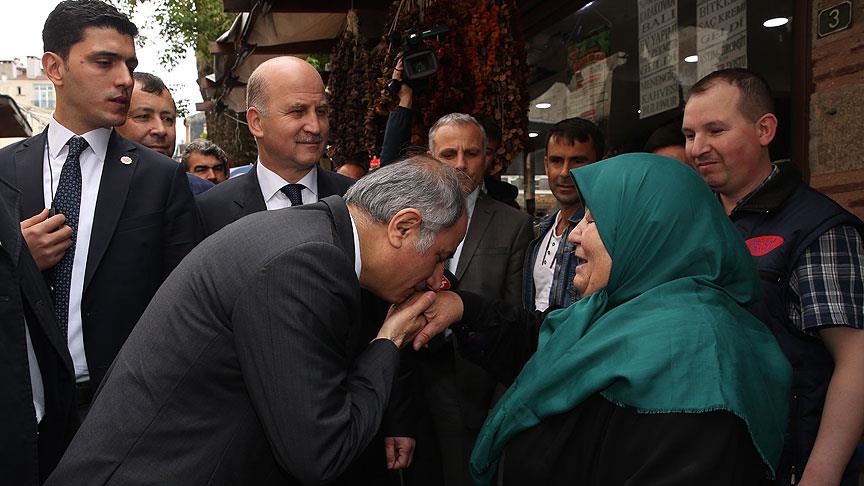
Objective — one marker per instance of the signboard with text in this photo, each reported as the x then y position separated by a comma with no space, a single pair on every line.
721,35
658,56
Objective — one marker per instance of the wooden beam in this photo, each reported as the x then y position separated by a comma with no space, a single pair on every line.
221,48
802,86
323,46
205,106
319,6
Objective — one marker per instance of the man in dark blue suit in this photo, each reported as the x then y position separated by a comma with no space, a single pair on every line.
152,121
106,219
287,115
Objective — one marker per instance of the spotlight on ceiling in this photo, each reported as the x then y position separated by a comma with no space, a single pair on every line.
533,134
776,22
543,106
693,58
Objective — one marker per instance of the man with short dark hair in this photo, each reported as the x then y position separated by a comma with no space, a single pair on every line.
206,160
352,169
809,253
283,383
121,216
668,141
152,115
287,115
495,166
550,265
354,165
152,121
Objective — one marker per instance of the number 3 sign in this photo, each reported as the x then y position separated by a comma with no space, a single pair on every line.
834,19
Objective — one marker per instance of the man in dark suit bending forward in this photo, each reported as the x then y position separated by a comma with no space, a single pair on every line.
280,383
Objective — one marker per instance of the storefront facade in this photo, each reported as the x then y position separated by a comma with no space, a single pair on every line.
627,65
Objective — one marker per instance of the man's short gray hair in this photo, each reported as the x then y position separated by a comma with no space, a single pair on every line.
205,147
418,182
256,92
455,119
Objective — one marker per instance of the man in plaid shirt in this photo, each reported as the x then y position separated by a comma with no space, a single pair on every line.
809,254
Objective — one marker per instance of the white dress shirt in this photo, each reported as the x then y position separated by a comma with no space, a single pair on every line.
92,160
35,378
36,374
470,202
271,184
358,262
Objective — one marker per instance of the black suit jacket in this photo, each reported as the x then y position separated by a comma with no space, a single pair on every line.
25,456
241,196
279,384
145,223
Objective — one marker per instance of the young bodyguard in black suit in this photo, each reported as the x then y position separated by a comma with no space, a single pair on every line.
282,383
124,214
37,406
287,115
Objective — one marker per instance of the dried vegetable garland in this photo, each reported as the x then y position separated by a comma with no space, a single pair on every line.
482,69
352,74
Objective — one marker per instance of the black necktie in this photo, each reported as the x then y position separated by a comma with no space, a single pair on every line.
67,201
293,193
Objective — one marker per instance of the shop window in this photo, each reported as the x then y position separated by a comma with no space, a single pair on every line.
627,64
43,96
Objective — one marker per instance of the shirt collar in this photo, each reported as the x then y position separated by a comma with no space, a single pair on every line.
773,192
58,137
471,201
272,182
358,262
741,203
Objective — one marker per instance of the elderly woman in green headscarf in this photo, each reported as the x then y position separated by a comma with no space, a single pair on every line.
658,375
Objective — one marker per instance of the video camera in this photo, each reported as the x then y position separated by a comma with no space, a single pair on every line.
418,62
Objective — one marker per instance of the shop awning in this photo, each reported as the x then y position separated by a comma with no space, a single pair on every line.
12,120
268,28
265,29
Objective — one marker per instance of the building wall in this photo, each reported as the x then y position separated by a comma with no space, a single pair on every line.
837,110
37,117
25,98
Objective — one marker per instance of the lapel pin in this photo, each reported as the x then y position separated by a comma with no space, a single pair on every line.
125,160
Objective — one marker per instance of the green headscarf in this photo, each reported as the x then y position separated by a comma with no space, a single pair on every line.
668,333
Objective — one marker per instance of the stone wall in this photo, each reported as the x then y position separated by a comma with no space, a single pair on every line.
837,110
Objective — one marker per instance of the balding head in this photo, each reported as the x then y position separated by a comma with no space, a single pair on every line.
289,70
287,115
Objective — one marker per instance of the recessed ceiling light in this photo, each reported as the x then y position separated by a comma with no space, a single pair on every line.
639,112
586,5
776,22
543,106
693,58
533,134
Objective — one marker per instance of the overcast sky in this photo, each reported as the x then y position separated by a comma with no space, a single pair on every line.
21,36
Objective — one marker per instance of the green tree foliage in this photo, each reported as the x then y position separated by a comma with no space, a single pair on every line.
184,23
196,23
